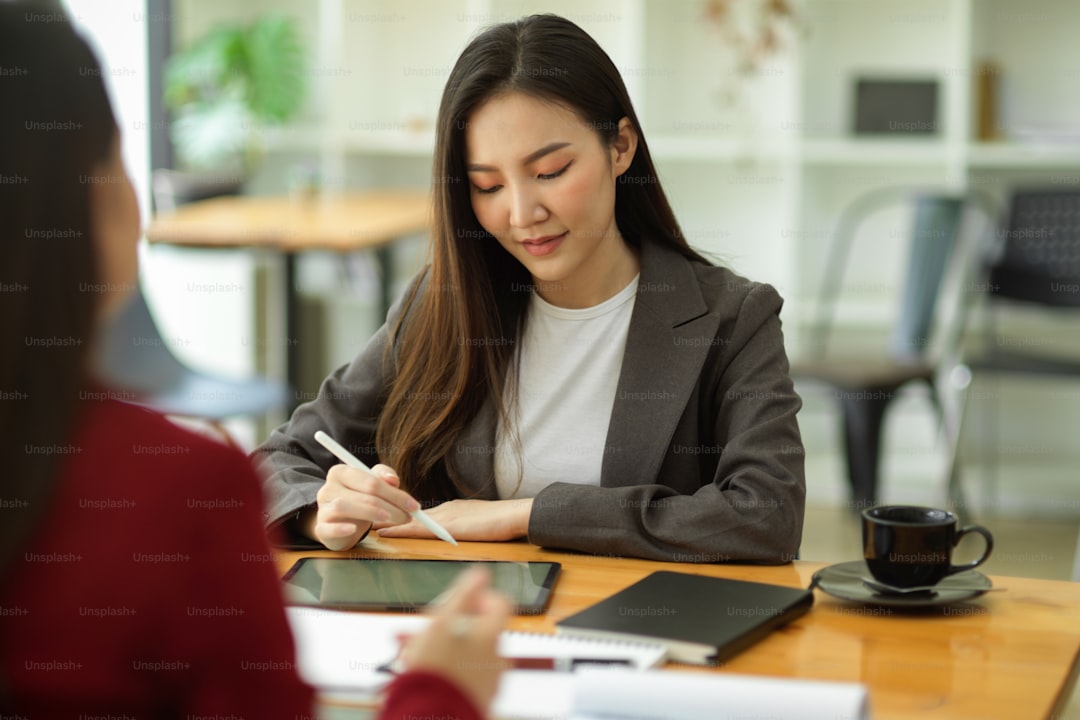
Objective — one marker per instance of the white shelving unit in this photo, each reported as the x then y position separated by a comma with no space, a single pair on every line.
759,183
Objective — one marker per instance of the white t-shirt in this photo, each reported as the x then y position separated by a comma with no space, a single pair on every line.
570,364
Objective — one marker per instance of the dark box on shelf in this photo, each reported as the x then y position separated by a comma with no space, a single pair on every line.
895,107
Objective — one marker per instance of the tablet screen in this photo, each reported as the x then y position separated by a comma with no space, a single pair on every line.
409,585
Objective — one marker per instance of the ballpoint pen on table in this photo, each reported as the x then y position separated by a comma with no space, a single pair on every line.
352,461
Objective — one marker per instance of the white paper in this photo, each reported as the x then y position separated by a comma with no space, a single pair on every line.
342,650
534,695
672,695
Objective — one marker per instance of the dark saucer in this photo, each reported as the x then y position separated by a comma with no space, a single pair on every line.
844,581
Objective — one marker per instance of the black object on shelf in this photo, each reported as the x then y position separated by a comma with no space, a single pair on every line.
895,107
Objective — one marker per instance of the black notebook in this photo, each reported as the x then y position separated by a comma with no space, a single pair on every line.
702,620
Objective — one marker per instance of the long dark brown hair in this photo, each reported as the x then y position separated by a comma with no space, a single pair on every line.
454,345
57,125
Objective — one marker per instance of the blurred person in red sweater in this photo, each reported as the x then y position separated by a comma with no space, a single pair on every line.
135,576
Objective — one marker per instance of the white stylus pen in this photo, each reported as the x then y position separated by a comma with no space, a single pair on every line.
352,461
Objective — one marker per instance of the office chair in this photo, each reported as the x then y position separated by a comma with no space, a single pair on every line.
1037,264
866,386
133,357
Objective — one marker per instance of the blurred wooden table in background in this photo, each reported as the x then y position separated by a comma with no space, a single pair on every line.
342,223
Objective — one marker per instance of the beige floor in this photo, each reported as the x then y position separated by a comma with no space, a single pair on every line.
1026,548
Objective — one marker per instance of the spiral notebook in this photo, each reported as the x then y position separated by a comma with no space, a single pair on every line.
341,653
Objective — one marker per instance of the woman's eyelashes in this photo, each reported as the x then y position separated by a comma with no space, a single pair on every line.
557,173
542,176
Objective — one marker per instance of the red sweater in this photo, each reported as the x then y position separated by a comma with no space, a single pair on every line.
149,591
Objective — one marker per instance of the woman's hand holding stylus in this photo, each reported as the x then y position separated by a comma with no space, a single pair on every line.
381,511
351,500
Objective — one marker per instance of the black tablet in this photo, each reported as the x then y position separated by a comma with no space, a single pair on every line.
409,585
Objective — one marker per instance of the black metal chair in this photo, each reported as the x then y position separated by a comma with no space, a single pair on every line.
1037,264
865,385
133,356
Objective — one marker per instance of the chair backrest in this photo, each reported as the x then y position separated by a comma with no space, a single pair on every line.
936,224
133,355
1039,259
935,228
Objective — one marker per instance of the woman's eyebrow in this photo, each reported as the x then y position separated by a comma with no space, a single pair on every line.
528,159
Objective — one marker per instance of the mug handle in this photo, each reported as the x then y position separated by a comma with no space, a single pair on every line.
986,553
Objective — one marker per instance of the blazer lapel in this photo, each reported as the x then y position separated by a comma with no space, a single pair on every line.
669,337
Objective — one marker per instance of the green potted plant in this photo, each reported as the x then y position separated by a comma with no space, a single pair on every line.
223,91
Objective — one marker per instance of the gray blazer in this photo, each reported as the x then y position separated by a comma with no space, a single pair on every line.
703,462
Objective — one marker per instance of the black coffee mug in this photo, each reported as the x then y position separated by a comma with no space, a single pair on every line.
907,545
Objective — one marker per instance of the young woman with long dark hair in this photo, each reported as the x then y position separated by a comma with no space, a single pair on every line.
567,368
135,575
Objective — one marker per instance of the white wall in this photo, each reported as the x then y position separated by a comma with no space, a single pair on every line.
116,31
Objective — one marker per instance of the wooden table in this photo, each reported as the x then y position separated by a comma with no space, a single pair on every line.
344,223
1009,654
